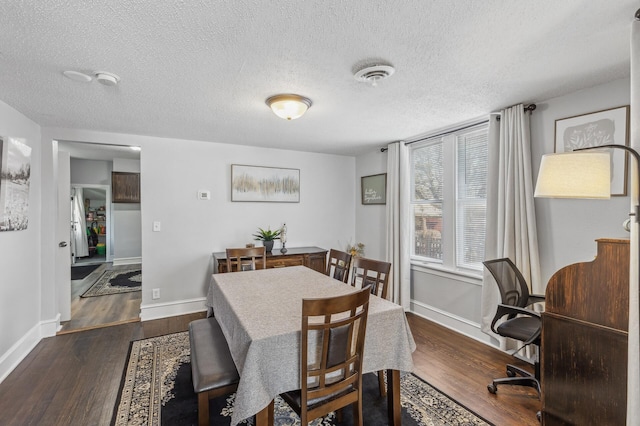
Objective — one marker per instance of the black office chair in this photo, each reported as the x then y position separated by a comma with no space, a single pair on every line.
521,324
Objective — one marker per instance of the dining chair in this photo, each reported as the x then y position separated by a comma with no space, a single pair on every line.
369,272
373,273
331,357
338,265
246,259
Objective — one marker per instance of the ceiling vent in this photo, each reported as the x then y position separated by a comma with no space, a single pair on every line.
374,73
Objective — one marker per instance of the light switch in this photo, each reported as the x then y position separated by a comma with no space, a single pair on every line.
156,226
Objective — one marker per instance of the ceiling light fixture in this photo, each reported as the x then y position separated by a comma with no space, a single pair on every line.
107,78
289,106
77,76
374,73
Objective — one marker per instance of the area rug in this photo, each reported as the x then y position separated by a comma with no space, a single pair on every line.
157,390
121,280
81,272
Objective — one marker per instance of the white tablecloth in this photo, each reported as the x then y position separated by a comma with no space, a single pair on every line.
260,313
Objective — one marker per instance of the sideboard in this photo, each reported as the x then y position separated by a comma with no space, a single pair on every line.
311,257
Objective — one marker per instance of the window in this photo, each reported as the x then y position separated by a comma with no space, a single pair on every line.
448,197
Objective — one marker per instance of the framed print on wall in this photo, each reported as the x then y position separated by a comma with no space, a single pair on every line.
265,184
605,127
374,189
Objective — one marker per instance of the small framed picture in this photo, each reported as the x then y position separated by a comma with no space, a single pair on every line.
608,127
374,189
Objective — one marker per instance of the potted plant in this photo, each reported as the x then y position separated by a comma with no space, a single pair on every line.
267,237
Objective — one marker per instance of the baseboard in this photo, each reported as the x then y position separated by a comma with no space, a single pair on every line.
127,261
16,353
450,321
164,310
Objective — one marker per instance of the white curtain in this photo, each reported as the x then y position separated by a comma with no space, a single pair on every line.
79,231
511,222
398,240
633,374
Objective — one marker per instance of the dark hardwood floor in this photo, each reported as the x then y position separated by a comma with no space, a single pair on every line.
73,379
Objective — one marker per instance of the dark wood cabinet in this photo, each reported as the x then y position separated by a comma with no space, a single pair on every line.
584,340
311,257
125,187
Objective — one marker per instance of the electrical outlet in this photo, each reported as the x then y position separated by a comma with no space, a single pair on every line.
155,293
156,226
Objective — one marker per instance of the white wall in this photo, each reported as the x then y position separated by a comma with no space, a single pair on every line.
20,276
90,172
371,219
178,259
567,229
127,220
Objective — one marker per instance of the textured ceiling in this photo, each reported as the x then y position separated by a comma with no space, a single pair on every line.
202,69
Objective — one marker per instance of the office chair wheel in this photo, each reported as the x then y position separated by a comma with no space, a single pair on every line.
492,388
511,373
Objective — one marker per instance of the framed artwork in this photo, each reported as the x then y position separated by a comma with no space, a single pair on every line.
265,184
15,179
374,189
605,127
125,187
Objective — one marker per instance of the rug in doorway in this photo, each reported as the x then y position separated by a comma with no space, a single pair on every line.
157,390
115,281
82,272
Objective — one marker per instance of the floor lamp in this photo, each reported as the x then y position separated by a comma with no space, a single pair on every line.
587,175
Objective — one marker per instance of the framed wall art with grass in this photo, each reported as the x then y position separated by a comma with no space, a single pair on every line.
265,184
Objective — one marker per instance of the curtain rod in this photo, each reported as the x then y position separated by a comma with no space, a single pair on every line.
530,108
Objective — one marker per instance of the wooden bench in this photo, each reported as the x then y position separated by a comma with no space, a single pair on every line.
212,368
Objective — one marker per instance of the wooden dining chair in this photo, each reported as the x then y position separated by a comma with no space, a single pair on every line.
338,265
331,358
246,259
373,273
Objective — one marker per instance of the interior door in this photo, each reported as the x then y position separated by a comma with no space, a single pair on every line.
63,237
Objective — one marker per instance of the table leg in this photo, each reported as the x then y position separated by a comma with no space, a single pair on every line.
393,397
265,416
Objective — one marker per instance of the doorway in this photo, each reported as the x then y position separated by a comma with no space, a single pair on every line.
105,239
90,224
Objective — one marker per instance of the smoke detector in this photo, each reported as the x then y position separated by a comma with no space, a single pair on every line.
374,73
107,78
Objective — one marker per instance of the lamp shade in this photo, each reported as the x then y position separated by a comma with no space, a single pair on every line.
574,175
289,107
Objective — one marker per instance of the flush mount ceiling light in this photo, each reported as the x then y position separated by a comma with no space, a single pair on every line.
77,76
289,106
107,78
374,73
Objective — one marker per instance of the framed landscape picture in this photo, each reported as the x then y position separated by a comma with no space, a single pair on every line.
608,127
265,184
374,189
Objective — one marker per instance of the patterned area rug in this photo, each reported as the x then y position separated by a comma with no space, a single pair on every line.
157,390
121,280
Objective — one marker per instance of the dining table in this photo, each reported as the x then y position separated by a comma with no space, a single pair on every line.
260,313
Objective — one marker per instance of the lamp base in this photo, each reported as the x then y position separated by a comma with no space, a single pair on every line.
283,249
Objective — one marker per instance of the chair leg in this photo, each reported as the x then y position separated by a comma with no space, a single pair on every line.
381,385
357,412
531,382
203,409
